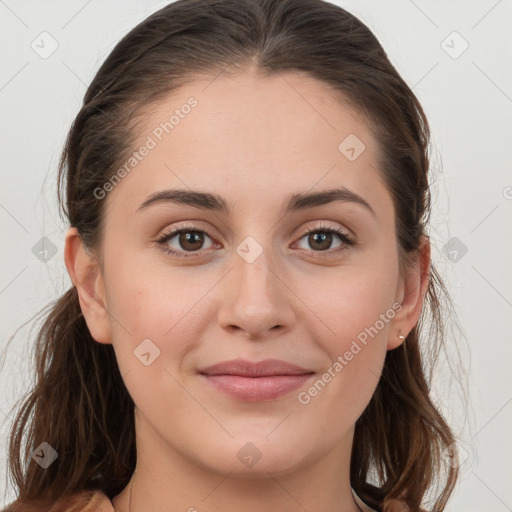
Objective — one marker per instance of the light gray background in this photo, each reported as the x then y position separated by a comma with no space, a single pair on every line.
468,99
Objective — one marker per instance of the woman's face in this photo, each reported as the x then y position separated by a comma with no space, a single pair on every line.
247,283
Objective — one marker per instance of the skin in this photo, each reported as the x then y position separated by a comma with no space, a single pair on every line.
293,302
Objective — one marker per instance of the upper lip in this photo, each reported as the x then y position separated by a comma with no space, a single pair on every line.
244,368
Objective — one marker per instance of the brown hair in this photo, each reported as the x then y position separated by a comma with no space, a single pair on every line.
79,404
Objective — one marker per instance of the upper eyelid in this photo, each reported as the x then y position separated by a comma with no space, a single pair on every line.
323,225
194,227
172,231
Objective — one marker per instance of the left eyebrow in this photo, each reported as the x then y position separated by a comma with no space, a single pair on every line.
214,202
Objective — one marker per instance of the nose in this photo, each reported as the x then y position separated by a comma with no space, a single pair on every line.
256,299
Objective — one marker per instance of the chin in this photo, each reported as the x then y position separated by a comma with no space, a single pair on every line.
255,456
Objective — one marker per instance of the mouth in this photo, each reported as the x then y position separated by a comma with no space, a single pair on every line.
256,381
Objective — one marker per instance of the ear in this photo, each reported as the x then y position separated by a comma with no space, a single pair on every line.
411,294
86,276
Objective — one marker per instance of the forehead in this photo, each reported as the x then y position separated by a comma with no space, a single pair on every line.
268,135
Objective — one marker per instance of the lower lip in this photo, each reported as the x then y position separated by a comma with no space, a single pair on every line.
257,389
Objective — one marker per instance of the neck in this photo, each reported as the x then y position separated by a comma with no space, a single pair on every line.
164,479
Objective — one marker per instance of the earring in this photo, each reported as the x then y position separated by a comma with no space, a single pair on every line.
401,337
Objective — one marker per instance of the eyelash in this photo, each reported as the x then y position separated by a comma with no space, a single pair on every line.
347,242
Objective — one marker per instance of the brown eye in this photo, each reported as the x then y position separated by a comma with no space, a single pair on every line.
184,240
321,239
190,240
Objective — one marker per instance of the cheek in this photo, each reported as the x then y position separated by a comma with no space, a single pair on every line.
349,303
167,306
155,321
355,312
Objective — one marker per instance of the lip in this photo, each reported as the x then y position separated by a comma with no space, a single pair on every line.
256,381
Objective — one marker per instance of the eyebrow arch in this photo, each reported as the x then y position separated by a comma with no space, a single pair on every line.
208,201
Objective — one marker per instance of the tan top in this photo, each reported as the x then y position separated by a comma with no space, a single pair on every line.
98,502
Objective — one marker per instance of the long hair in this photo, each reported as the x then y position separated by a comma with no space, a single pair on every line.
79,404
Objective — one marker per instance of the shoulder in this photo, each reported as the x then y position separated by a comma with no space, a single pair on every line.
395,505
82,501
